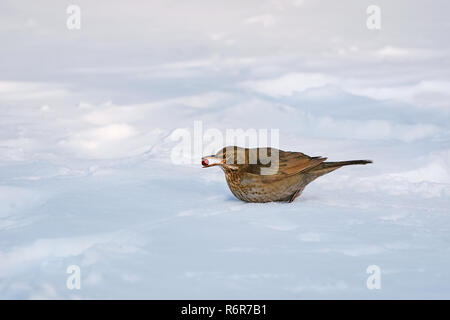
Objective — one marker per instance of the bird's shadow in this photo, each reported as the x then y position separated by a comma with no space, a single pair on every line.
299,199
233,199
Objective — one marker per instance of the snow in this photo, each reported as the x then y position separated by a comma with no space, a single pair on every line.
88,178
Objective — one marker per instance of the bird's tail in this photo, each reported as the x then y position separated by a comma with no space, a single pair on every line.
326,167
344,163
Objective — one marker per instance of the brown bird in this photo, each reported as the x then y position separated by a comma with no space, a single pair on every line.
269,174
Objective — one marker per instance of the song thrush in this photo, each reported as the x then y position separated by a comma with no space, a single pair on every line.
269,174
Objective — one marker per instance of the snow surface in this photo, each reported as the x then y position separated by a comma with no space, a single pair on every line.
86,176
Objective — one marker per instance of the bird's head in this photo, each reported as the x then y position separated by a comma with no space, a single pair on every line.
261,161
228,158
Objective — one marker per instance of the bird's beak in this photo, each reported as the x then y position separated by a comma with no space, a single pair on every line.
211,161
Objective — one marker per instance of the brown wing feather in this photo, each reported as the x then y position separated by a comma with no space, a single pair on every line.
295,162
287,163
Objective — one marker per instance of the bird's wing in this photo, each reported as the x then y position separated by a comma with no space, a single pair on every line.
287,163
295,162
